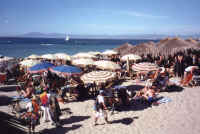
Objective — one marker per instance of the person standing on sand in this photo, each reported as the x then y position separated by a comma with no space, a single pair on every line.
100,108
179,66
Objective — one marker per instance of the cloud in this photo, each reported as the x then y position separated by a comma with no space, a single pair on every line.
144,15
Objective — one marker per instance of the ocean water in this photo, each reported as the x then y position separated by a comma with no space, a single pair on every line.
23,47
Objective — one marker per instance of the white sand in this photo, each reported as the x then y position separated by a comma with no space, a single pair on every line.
180,116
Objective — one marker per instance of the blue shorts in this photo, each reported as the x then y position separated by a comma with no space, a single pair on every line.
150,99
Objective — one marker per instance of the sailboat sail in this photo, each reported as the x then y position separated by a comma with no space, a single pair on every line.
67,38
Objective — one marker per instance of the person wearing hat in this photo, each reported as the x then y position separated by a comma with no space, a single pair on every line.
101,110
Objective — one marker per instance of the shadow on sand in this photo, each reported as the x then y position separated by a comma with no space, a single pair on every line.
5,100
125,121
69,121
60,130
135,87
10,125
74,119
137,105
174,88
8,88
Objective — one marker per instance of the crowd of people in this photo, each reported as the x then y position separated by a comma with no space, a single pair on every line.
46,90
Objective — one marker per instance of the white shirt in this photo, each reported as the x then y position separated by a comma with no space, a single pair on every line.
100,99
29,107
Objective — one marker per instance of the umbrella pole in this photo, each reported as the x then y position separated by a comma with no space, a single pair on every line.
127,65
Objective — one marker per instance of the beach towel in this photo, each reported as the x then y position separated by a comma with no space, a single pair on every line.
21,98
164,100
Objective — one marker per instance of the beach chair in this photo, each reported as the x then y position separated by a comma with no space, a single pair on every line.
196,78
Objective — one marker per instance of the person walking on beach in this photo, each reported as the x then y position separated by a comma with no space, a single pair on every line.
100,108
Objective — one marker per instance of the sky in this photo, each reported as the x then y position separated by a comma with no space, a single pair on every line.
100,17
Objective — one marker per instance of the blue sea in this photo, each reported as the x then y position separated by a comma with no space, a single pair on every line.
23,47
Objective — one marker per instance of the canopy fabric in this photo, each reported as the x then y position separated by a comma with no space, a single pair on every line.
6,59
110,52
98,77
65,70
82,62
107,65
83,55
41,67
48,56
29,63
62,56
131,57
94,53
145,67
34,56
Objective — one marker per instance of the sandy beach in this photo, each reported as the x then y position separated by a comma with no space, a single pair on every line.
181,115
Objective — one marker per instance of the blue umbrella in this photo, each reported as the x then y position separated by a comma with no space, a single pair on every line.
41,67
66,70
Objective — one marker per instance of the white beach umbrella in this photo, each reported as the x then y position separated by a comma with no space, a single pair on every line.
6,59
131,57
48,56
34,56
62,56
109,52
83,55
98,77
145,67
95,53
29,63
82,62
106,65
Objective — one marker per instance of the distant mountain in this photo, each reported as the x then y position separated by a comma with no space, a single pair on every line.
77,36
60,35
43,35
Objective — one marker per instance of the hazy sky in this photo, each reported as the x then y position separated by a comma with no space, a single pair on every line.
111,17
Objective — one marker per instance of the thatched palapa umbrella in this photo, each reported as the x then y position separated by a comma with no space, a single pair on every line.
170,46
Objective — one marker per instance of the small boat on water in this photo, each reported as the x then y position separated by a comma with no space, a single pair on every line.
67,38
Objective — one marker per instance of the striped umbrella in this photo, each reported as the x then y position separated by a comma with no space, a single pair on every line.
29,63
107,65
83,62
94,53
65,70
34,56
41,67
62,56
98,77
48,56
83,55
109,52
145,67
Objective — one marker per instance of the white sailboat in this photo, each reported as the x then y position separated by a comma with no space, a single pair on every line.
67,38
